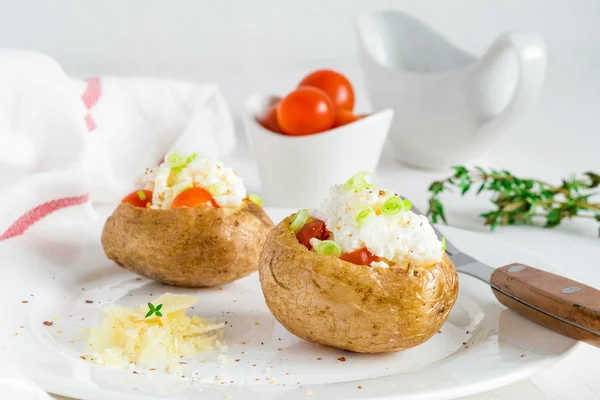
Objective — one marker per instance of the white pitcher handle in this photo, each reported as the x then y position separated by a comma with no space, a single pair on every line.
530,52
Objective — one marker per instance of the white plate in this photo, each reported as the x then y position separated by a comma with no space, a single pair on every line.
482,345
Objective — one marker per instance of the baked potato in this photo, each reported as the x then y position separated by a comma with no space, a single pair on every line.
320,297
197,243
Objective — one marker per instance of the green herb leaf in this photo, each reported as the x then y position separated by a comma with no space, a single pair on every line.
436,210
436,187
594,180
519,200
553,218
460,170
153,310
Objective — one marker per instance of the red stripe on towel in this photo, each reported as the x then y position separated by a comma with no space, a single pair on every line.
92,92
89,122
35,214
90,97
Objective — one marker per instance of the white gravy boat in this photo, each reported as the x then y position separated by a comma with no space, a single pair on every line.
449,104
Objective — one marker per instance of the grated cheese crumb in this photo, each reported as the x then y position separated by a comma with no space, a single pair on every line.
126,337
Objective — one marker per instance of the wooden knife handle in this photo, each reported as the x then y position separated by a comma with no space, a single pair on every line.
560,296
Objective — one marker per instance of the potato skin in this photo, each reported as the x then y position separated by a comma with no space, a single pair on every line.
329,301
194,247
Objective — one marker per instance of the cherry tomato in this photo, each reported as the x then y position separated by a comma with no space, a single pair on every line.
313,229
305,111
270,120
139,198
336,85
343,117
193,197
360,257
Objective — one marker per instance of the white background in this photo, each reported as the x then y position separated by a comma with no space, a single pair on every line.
267,45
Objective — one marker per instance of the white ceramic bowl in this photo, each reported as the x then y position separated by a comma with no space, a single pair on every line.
297,171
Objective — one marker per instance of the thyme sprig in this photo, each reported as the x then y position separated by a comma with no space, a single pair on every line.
521,201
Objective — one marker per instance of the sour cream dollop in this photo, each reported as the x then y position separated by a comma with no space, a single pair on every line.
165,182
399,240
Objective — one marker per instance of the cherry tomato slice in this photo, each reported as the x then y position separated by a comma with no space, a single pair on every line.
269,121
139,198
336,85
360,257
313,229
305,111
343,117
193,197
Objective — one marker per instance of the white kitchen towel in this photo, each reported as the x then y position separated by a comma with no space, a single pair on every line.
67,142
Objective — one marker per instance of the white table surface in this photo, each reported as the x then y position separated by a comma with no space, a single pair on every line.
533,148
574,248
206,40
556,138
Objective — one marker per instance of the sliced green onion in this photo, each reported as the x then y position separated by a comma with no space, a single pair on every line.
214,190
329,248
443,244
180,187
362,214
299,221
407,205
359,181
191,158
349,185
393,206
142,195
256,199
174,159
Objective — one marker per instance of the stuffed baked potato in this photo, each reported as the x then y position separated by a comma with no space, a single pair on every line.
202,232
326,285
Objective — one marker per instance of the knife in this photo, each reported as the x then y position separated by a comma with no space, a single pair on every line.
558,303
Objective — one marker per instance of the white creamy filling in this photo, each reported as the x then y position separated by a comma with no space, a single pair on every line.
226,187
405,238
